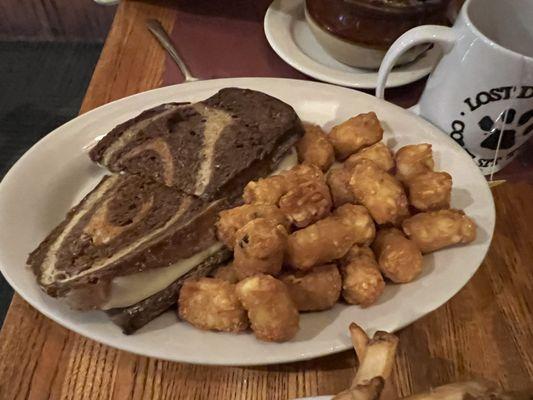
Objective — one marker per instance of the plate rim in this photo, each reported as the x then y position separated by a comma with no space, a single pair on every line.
324,77
218,83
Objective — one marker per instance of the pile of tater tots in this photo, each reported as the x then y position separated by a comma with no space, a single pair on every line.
349,219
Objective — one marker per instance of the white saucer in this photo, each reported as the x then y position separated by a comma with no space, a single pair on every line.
290,37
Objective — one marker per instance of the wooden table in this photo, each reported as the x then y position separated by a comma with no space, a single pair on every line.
485,331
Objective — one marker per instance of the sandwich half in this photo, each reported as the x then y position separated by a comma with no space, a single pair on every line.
203,148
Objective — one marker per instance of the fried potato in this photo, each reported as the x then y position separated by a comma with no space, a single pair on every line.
330,238
430,190
360,222
230,221
259,248
358,251
306,202
379,192
211,304
314,148
362,282
355,133
226,273
301,194
272,313
379,153
435,230
266,190
412,160
399,258
338,180
319,243
318,289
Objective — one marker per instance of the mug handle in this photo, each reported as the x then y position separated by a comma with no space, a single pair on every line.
444,36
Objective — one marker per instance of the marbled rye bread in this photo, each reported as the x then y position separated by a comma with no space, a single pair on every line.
126,225
202,147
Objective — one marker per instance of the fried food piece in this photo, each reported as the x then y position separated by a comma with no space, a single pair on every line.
230,221
357,132
212,304
272,313
379,153
376,355
266,190
435,230
306,202
359,220
399,258
226,273
362,282
330,238
301,193
259,248
378,191
358,251
303,172
338,180
318,289
376,359
314,148
412,160
430,190
368,390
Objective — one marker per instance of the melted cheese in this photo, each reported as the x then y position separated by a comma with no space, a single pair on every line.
289,161
130,289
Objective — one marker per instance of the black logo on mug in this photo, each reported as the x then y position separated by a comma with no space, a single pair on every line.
504,130
506,127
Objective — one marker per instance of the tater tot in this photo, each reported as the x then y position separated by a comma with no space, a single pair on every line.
259,248
413,159
358,251
272,313
378,153
266,190
211,304
301,194
430,190
338,181
307,199
399,258
437,229
355,133
362,282
226,273
378,191
330,238
314,148
318,289
230,221
360,222
306,203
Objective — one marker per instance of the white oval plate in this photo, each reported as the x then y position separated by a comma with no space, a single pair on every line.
56,173
290,37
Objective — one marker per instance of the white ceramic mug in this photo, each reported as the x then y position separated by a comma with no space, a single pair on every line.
481,92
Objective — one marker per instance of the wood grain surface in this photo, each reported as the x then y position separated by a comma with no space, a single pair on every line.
485,331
